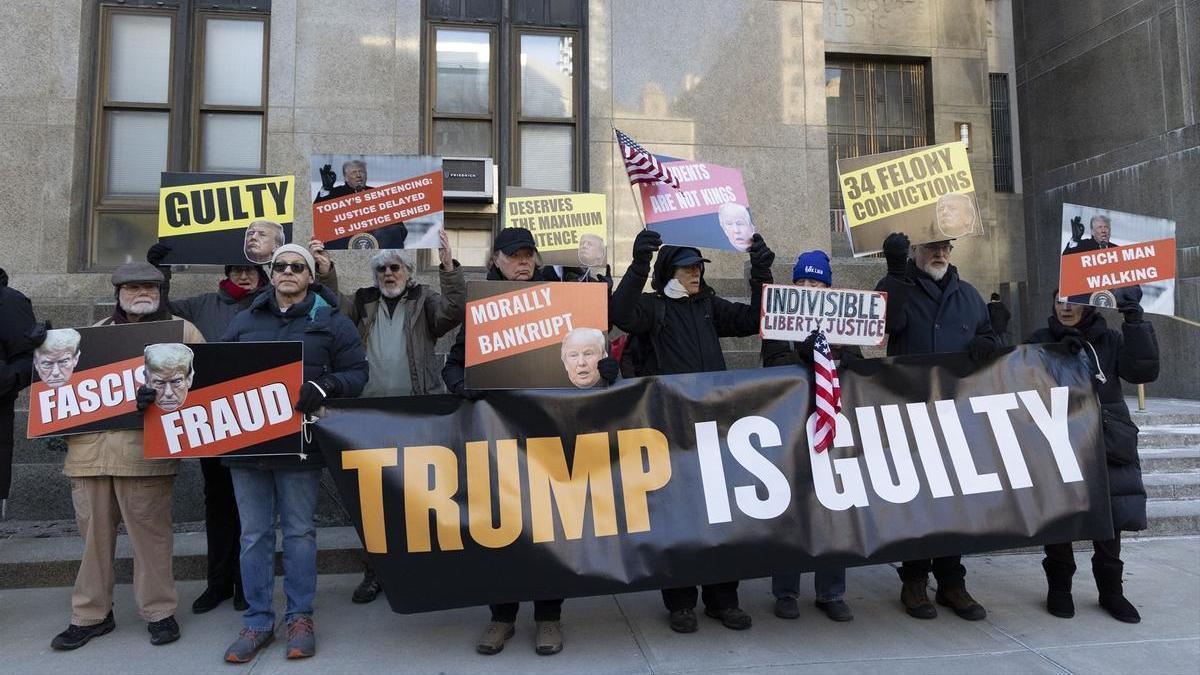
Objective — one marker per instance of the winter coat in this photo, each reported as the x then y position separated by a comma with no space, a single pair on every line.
119,453
1130,354
212,312
999,316
455,371
429,315
331,347
16,354
937,317
787,353
684,333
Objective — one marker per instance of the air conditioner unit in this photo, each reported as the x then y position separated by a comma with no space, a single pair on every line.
468,179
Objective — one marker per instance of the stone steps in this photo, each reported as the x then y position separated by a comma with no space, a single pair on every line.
1169,460
1183,485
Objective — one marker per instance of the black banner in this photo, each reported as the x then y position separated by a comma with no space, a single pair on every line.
686,479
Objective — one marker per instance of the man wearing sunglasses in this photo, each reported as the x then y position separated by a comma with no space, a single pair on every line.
931,310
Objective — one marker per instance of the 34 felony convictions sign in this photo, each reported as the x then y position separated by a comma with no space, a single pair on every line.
847,317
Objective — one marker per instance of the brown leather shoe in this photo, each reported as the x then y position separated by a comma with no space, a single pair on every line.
958,599
549,638
492,640
914,595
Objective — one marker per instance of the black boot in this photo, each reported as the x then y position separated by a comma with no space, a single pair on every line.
1112,596
1058,595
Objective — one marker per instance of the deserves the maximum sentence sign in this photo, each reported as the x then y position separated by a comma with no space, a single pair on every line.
847,317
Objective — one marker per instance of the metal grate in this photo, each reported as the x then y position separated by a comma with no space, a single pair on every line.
1002,151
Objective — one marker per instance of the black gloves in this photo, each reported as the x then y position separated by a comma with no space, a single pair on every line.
609,369
328,177
895,251
1073,343
805,349
145,396
644,246
982,348
1129,301
37,334
157,252
313,394
761,255
1076,228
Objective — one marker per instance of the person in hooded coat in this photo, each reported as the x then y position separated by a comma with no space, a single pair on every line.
1130,354
683,320
16,370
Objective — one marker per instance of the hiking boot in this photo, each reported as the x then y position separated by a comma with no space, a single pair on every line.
302,643
210,599
75,636
163,631
684,621
958,599
239,599
248,644
732,618
492,640
367,590
787,608
549,638
836,610
914,595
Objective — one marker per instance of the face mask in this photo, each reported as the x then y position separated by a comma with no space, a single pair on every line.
675,290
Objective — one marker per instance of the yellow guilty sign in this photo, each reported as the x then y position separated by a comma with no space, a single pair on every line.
558,221
904,183
224,205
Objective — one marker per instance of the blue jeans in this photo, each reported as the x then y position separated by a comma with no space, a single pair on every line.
829,585
261,493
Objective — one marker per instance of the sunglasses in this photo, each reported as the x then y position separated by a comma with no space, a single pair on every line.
933,248
394,268
295,267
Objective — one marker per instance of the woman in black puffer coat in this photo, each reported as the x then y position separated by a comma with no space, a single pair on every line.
1130,354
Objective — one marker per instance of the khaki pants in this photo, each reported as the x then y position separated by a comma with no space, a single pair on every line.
144,504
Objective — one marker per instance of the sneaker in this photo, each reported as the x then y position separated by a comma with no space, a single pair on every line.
836,610
914,595
958,599
239,599
1120,608
302,643
75,637
732,618
684,621
549,638
248,644
787,608
163,631
210,599
367,590
492,640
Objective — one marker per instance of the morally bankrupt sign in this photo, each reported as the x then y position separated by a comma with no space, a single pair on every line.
86,379
673,481
570,229
223,219
927,193
403,209
847,317
710,208
525,334
223,399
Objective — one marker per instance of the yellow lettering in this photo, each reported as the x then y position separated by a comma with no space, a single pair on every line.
638,478
420,498
479,494
547,467
369,465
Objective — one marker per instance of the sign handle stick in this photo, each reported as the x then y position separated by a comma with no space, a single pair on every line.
1141,389
637,204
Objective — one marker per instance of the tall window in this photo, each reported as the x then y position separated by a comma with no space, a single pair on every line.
872,106
144,123
505,80
1002,150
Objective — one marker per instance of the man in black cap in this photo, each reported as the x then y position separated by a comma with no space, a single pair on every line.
683,321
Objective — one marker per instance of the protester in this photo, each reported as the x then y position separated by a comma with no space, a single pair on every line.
683,320
1130,354
999,315
931,310
334,366
399,322
211,313
812,270
17,325
111,483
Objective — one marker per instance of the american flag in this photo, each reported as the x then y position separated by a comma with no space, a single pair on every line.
642,166
829,394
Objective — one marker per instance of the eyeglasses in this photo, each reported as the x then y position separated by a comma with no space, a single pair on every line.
295,267
394,268
934,248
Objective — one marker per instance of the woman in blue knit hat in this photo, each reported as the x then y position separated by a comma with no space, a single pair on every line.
812,269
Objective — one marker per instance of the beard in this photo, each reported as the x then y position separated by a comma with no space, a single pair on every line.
139,307
393,291
935,272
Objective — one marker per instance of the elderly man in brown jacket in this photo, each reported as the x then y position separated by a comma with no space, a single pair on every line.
112,483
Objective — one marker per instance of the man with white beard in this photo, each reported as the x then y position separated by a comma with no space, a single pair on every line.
399,321
931,310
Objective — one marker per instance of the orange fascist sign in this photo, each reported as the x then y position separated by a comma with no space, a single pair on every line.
1145,262
375,208
91,396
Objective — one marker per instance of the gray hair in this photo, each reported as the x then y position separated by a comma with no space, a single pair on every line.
1106,219
60,340
353,162
584,333
388,255
169,356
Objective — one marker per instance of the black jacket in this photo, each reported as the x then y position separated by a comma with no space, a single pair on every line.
16,355
213,312
938,317
684,333
999,316
788,353
1130,354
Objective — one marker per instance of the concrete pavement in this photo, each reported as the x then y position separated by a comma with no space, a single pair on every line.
629,634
